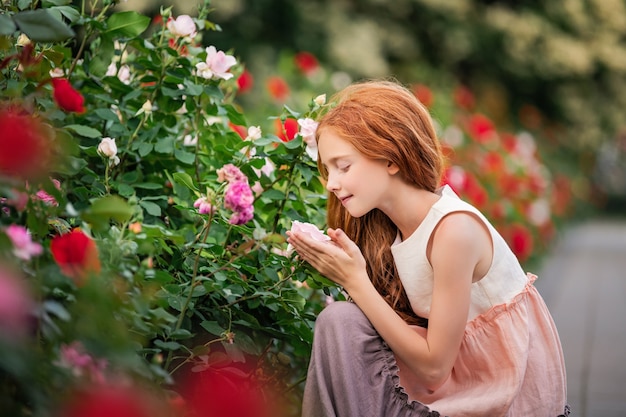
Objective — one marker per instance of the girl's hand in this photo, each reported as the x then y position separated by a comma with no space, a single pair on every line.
339,259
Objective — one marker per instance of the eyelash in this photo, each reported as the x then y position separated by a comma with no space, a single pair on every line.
345,168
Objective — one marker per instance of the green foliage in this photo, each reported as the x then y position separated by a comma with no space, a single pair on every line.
176,288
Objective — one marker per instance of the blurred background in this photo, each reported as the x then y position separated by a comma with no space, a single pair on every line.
551,74
555,69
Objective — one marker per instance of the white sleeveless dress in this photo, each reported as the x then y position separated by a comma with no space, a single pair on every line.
510,362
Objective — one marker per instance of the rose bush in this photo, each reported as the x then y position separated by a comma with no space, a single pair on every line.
143,262
142,238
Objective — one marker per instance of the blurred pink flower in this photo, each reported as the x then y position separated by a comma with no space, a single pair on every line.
204,206
216,65
23,247
16,199
182,26
74,357
308,127
243,216
230,173
239,198
15,305
47,198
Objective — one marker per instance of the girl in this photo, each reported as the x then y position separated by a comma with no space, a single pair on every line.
406,250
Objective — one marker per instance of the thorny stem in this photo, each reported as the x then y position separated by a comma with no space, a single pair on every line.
192,282
284,201
257,295
192,355
88,32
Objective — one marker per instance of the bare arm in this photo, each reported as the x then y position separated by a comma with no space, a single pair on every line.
457,246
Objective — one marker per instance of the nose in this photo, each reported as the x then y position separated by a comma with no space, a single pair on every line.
331,183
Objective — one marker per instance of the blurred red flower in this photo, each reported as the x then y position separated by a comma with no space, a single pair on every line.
241,130
423,94
245,82
24,145
493,162
481,128
464,98
306,62
278,88
76,254
181,49
110,401
521,241
66,97
288,130
226,391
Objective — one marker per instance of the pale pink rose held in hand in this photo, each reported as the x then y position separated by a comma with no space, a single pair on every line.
309,229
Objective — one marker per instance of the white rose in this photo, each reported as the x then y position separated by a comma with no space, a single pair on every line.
320,100
108,149
254,133
147,107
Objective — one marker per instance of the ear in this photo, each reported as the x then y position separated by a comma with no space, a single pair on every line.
392,168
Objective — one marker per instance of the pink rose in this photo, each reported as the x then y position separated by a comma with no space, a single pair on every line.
23,247
216,65
182,26
309,229
204,206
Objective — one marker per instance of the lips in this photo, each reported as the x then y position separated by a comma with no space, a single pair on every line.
345,199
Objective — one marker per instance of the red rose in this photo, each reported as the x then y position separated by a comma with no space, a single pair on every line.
306,62
245,82
67,97
241,130
24,145
521,241
481,128
76,254
423,94
109,401
288,130
464,98
278,88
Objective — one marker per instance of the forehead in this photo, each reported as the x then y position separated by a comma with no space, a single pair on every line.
331,146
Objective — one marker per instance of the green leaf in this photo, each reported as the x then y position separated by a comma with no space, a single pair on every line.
86,131
69,13
185,179
148,185
212,327
125,190
235,117
106,208
145,149
184,157
41,26
48,3
151,208
129,24
167,345
7,27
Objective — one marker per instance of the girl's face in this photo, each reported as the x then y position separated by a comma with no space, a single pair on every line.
359,182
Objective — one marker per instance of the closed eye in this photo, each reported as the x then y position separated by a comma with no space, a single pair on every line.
344,168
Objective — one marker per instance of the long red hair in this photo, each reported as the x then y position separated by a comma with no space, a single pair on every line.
382,119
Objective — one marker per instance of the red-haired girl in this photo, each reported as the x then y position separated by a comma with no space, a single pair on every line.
443,319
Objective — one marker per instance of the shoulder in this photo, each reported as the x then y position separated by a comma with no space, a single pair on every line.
460,226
